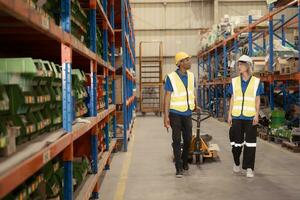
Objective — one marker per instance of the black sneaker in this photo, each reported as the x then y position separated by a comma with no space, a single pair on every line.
179,173
186,167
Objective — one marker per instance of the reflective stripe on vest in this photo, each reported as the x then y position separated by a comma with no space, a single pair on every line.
244,104
180,101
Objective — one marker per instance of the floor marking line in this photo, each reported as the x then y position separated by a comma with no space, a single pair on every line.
119,195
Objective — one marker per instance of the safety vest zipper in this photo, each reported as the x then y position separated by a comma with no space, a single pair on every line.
187,97
243,103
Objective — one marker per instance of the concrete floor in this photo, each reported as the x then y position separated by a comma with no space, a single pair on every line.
146,171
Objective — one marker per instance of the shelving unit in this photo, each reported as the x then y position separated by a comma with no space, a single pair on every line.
212,92
125,40
31,33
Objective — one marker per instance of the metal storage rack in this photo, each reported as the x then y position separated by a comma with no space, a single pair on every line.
34,34
150,78
212,92
125,39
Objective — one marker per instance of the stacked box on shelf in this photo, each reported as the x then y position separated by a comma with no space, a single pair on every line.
47,183
79,22
99,42
81,168
79,18
101,144
111,128
110,90
51,8
4,109
25,83
100,92
79,93
55,86
44,184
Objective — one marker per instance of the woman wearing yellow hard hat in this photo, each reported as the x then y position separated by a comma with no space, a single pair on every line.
180,101
245,91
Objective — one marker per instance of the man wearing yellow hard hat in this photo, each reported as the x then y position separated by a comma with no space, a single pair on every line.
180,101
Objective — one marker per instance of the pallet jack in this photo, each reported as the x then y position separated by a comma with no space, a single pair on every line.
201,148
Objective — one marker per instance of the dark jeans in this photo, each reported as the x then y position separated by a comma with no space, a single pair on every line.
243,134
181,125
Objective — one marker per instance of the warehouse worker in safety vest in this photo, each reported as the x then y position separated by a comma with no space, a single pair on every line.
243,115
180,101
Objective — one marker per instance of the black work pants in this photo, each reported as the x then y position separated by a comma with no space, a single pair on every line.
181,125
243,134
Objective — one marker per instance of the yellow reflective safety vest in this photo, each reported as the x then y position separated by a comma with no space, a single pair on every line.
182,98
244,103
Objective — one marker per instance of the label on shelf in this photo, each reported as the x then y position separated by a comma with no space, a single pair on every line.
46,22
46,157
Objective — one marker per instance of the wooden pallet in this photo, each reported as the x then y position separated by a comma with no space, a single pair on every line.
263,136
291,146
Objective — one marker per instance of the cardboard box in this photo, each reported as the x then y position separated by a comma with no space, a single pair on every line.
118,89
120,117
259,64
286,65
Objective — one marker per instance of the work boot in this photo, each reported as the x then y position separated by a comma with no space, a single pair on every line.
179,173
185,167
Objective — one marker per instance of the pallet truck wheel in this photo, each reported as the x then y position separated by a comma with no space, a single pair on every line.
190,159
199,159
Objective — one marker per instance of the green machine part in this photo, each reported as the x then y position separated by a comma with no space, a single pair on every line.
33,87
81,167
4,101
79,92
79,22
3,134
277,118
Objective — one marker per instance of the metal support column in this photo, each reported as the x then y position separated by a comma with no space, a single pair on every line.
299,40
93,89
112,23
216,86
264,42
66,53
225,75
250,41
106,74
198,85
124,65
271,56
209,78
283,40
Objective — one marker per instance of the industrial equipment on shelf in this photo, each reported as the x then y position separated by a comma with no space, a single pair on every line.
215,60
150,80
68,114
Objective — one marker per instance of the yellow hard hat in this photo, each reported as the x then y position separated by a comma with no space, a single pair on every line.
180,56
